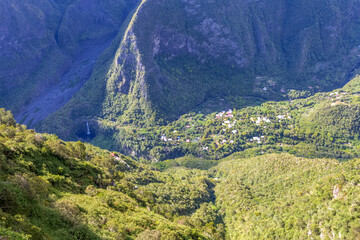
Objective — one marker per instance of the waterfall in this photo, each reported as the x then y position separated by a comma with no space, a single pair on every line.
87,128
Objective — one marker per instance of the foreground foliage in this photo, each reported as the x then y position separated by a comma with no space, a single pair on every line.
50,189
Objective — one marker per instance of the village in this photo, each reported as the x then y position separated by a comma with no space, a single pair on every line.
232,128
219,133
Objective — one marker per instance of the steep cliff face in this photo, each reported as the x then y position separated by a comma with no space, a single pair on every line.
26,37
193,50
49,48
196,50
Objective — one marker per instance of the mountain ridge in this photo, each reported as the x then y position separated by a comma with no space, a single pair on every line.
164,69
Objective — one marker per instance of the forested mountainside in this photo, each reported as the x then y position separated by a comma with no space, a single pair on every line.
51,189
148,62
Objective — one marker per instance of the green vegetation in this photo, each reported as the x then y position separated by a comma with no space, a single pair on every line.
50,189
229,134
158,70
323,125
279,196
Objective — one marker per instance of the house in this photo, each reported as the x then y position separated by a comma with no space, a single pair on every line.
234,131
265,119
187,140
231,141
257,139
280,116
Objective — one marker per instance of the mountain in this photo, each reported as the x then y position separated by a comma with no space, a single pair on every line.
51,189
221,119
49,49
147,63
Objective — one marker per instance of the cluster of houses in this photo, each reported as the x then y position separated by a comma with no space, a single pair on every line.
260,119
228,121
165,139
229,124
225,114
257,139
225,141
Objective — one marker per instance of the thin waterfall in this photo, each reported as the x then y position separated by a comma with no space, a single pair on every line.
87,128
